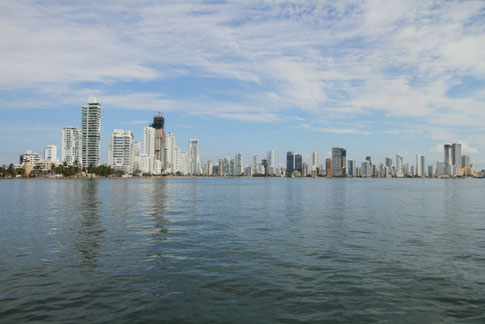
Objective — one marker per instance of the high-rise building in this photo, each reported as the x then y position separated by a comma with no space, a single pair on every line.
91,133
255,163
351,170
193,157
399,166
456,154
448,159
328,167
339,157
158,125
440,168
271,162
50,153
71,145
238,165
431,171
169,151
149,141
421,165
366,169
136,156
315,160
290,163
120,155
465,161
299,163
388,162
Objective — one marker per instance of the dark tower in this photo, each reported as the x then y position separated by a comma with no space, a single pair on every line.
289,163
158,124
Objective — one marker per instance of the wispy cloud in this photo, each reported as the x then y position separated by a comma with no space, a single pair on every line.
392,59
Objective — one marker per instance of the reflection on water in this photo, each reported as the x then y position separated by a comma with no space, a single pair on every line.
242,250
89,234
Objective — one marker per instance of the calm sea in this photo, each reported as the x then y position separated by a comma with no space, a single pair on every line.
242,250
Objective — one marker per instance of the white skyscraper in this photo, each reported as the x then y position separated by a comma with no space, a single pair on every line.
193,157
366,169
169,151
399,166
271,162
255,162
315,160
238,165
50,153
136,156
120,155
91,132
419,166
149,141
71,145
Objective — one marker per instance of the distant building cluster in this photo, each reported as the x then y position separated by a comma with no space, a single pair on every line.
158,154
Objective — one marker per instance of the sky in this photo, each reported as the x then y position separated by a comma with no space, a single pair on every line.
375,77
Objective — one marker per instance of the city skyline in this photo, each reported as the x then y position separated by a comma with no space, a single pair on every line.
374,78
160,155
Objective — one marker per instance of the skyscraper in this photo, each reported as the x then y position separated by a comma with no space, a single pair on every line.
351,169
238,164
388,163
448,159
169,151
465,161
366,169
339,160
456,154
299,163
91,133
193,157
290,162
315,160
271,162
421,166
120,155
328,167
71,145
158,125
399,165
149,141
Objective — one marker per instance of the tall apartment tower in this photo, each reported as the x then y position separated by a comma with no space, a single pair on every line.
315,160
71,148
456,154
448,159
193,157
339,160
158,124
290,163
351,170
120,156
90,133
271,162
238,164
328,167
299,163
169,151
399,165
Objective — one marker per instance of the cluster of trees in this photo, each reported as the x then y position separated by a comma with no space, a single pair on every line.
10,171
62,169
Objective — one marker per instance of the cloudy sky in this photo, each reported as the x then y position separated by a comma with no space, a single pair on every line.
375,77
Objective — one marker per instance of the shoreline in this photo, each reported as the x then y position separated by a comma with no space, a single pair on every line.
228,177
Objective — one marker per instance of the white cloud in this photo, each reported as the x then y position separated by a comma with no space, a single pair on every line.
394,59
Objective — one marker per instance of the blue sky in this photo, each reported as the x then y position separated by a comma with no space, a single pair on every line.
375,77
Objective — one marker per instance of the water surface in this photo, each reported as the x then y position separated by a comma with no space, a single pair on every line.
242,250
